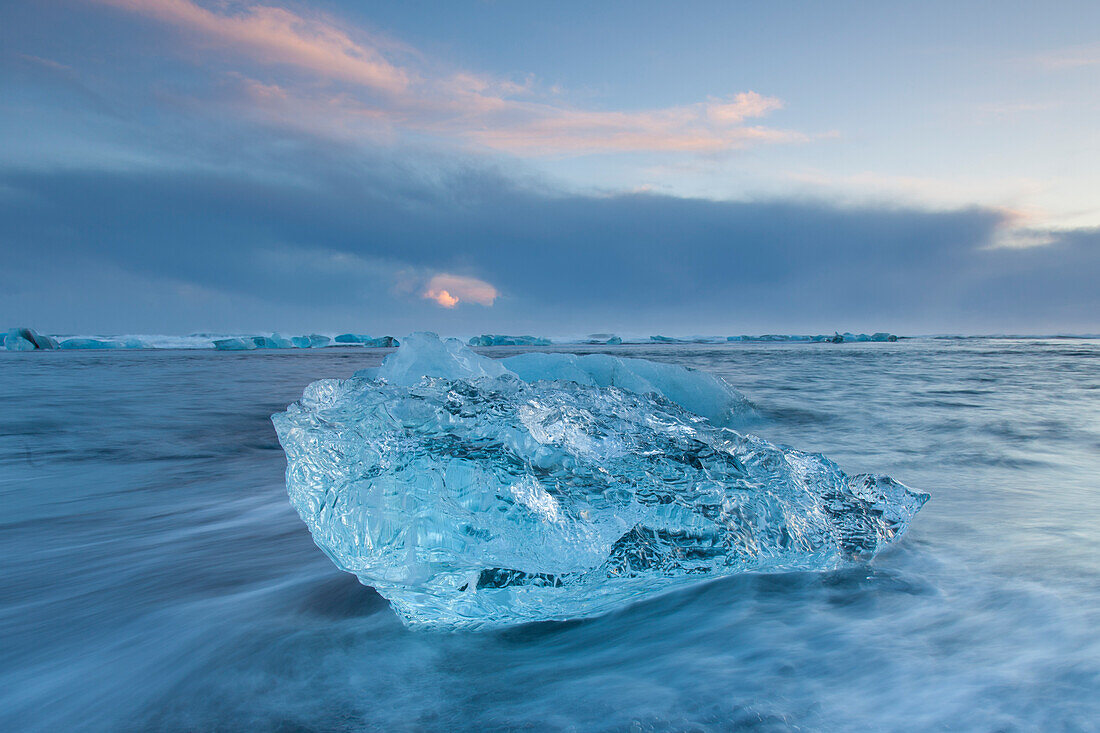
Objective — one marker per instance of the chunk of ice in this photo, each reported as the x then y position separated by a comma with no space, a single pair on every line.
382,342
471,498
498,340
14,341
235,344
17,339
89,343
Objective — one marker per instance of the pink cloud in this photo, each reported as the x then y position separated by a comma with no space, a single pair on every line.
1071,58
275,35
489,112
449,290
704,127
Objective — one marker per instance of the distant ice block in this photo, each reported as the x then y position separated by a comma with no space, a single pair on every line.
836,338
498,340
15,341
382,342
275,341
250,343
609,339
313,341
472,498
235,344
688,340
774,337
18,339
350,338
89,343
863,338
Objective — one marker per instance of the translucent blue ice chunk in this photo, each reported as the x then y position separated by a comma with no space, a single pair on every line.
836,338
473,498
17,339
382,342
235,344
271,342
14,341
609,339
89,343
498,340
351,338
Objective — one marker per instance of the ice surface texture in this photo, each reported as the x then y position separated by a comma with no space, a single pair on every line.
472,498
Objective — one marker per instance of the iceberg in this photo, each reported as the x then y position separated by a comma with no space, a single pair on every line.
313,341
498,340
836,338
776,338
89,343
471,498
689,340
27,339
235,344
250,343
15,341
863,338
274,341
351,338
608,339
383,342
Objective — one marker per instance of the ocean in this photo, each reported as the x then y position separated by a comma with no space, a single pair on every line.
155,576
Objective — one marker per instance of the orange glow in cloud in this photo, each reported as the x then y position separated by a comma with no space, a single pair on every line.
442,297
450,290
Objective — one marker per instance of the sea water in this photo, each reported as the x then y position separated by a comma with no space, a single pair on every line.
156,577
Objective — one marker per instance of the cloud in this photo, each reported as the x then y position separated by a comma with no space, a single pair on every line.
277,36
449,290
358,243
357,83
705,127
1071,58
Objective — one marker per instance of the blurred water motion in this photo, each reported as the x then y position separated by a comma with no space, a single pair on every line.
155,576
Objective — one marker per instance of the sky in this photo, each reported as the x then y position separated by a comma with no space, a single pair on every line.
181,166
